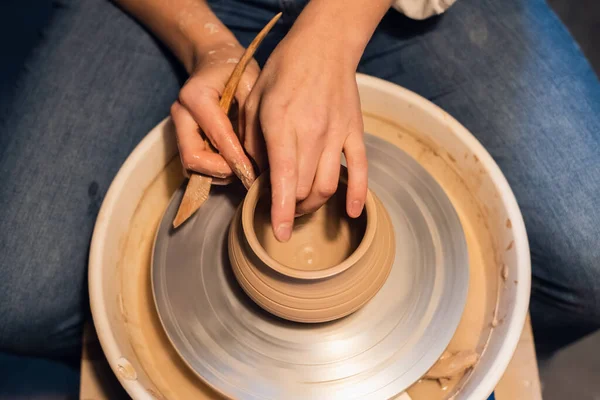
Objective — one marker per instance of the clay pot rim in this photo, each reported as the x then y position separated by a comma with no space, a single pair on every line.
249,207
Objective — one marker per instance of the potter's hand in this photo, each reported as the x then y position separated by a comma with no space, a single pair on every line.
306,103
198,106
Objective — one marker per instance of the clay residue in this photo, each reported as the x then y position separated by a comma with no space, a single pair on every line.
211,28
496,322
319,241
452,365
504,272
125,369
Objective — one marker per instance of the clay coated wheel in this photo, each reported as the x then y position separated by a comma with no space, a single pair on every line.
377,352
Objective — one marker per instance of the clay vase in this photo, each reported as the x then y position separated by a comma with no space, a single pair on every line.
331,266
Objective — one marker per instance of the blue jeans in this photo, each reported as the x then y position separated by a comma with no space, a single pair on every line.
97,83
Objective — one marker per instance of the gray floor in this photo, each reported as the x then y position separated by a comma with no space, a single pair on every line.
573,374
582,17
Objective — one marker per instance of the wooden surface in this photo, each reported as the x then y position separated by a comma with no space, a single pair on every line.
520,382
98,382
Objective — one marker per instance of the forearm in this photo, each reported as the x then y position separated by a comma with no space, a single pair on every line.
188,27
343,23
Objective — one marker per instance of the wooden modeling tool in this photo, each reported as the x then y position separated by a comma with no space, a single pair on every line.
198,185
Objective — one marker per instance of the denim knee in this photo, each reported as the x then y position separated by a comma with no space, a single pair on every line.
40,314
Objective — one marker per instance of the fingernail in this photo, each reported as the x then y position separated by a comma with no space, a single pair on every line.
355,208
283,232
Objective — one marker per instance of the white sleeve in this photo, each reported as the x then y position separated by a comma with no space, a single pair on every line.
421,9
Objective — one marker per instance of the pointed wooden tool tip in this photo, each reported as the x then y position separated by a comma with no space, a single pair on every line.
195,195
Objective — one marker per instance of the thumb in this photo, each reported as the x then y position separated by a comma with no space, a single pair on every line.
203,104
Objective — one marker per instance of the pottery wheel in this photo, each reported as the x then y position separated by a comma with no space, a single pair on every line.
378,352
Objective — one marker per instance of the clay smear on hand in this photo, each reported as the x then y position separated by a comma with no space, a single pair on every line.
211,28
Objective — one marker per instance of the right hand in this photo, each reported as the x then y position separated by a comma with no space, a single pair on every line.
198,107
306,103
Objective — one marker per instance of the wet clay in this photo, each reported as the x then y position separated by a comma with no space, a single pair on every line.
170,378
450,365
319,240
342,262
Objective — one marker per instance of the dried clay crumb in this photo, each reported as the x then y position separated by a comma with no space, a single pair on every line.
504,272
451,365
211,28
155,394
443,382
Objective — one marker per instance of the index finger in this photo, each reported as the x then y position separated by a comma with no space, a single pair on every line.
204,107
281,151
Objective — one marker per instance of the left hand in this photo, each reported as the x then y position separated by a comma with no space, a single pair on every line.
198,106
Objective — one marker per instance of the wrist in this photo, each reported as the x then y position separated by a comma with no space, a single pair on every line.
184,26
344,26
203,33
202,51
